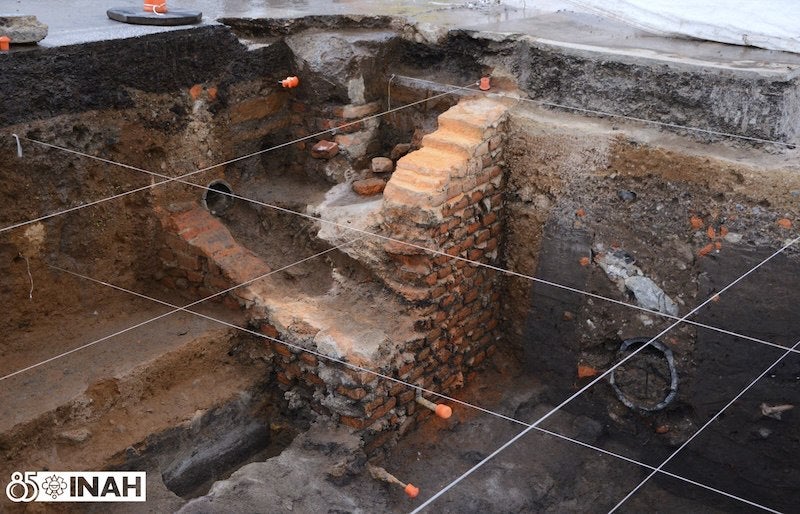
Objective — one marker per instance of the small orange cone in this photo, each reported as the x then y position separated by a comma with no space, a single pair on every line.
5,43
290,82
441,410
484,84
155,6
381,474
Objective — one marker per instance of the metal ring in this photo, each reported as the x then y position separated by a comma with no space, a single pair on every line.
673,386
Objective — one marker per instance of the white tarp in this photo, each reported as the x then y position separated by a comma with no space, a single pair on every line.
771,24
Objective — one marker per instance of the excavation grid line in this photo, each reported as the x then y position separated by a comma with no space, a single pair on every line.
598,378
176,309
701,429
529,427
428,249
416,387
179,178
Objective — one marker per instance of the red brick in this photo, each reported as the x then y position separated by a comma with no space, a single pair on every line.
313,379
292,370
469,271
447,301
270,331
360,377
324,150
438,292
354,394
403,371
476,196
491,245
489,218
416,373
397,388
369,186
431,280
356,423
471,296
406,397
385,408
195,277
281,349
443,355
467,243
308,358
283,379
475,254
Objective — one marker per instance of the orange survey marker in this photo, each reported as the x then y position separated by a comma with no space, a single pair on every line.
440,409
5,43
155,6
484,84
379,473
290,82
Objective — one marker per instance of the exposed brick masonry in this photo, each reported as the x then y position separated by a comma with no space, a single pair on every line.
447,195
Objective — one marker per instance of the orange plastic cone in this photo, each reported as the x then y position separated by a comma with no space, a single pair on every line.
155,6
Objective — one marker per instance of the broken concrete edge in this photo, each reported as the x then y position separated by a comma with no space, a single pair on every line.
774,93
775,96
22,29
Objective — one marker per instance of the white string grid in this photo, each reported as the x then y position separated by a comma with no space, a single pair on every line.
198,171
497,269
595,381
609,114
700,430
415,245
416,386
178,179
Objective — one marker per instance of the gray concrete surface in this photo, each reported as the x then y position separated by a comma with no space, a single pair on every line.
548,22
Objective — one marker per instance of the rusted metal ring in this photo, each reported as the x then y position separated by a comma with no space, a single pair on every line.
673,372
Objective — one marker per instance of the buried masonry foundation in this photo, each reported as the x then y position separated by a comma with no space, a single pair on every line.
446,196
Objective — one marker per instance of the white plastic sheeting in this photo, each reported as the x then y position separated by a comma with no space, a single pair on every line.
770,24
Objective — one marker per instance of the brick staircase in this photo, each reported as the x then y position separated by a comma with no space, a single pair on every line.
449,158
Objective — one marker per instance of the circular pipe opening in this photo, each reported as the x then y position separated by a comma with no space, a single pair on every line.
217,197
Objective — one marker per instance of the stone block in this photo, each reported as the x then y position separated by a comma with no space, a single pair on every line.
382,165
351,111
22,29
399,150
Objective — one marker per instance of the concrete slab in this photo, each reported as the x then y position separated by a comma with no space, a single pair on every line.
548,22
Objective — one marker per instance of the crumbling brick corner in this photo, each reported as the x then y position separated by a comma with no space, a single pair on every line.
448,196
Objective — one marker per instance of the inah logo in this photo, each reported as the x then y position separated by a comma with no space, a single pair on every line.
54,486
81,486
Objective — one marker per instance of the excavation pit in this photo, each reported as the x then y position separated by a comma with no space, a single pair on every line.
310,315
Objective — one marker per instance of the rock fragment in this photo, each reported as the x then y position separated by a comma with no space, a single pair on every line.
369,186
22,29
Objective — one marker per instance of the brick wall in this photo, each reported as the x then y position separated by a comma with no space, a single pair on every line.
446,195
